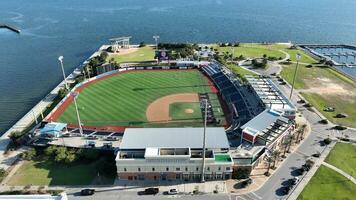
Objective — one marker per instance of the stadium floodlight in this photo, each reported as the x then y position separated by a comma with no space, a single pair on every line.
75,95
156,37
204,140
298,57
60,58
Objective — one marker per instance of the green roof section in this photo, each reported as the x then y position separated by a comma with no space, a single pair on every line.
222,158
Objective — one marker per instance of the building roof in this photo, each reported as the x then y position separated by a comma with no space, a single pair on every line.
140,138
53,128
264,120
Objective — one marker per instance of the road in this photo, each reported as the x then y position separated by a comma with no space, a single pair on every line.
132,195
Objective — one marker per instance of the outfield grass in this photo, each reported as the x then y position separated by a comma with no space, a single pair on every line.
177,111
342,156
254,50
122,100
143,54
328,184
47,172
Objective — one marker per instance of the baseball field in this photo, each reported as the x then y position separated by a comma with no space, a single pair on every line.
143,98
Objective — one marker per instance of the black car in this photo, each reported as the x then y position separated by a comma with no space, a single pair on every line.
151,191
286,189
86,192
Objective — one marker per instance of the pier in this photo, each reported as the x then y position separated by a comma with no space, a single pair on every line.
11,28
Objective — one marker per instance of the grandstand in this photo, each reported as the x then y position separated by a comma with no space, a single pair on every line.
242,103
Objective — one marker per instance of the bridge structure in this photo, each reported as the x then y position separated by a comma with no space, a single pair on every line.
120,42
11,28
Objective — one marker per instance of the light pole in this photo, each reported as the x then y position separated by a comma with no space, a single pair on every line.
298,57
156,37
60,58
204,141
75,94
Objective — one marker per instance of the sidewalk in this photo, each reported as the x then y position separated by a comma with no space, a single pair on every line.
348,176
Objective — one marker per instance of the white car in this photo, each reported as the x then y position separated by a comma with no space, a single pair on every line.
173,191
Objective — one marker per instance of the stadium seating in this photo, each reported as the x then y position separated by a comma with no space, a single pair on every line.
241,102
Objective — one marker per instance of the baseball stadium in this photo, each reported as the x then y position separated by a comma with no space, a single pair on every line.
142,98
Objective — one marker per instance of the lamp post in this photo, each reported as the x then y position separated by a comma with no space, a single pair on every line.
60,58
298,57
156,37
75,94
204,141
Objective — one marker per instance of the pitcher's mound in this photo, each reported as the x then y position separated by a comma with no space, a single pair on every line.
189,111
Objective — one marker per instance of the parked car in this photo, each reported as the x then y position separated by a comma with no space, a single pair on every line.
316,155
151,191
294,180
172,191
87,192
329,109
286,189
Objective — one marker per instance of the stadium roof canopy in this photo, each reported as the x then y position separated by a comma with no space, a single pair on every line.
140,138
264,120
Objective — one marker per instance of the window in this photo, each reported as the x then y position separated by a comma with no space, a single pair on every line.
186,169
208,168
227,168
139,169
125,169
167,169
197,168
177,169
219,168
153,169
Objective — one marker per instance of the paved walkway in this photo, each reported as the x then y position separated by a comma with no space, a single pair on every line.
348,176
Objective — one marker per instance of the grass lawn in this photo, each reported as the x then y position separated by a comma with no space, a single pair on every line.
143,54
47,172
304,59
254,50
328,184
308,78
177,111
240,71
342,156
122,100
341,105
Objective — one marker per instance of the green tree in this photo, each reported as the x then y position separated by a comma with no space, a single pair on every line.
61,154
15,135
51,151
142,44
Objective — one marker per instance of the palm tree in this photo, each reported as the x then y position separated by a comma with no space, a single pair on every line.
287,141
269,161
275,154
303,129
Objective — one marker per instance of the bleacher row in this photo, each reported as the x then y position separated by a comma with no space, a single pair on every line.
233,93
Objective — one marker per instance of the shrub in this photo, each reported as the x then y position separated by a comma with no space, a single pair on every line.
29,154
142,44
309,66
327,141
241,173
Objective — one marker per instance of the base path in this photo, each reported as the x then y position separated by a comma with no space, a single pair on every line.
158,111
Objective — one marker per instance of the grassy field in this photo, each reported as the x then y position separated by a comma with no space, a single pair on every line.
255,50
122,100
240,71
47,172
328,184
308,81
342,156
177,111
143,54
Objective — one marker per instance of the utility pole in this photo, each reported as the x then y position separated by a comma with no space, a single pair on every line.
156,37
204,141
298,57
60,58
75,94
